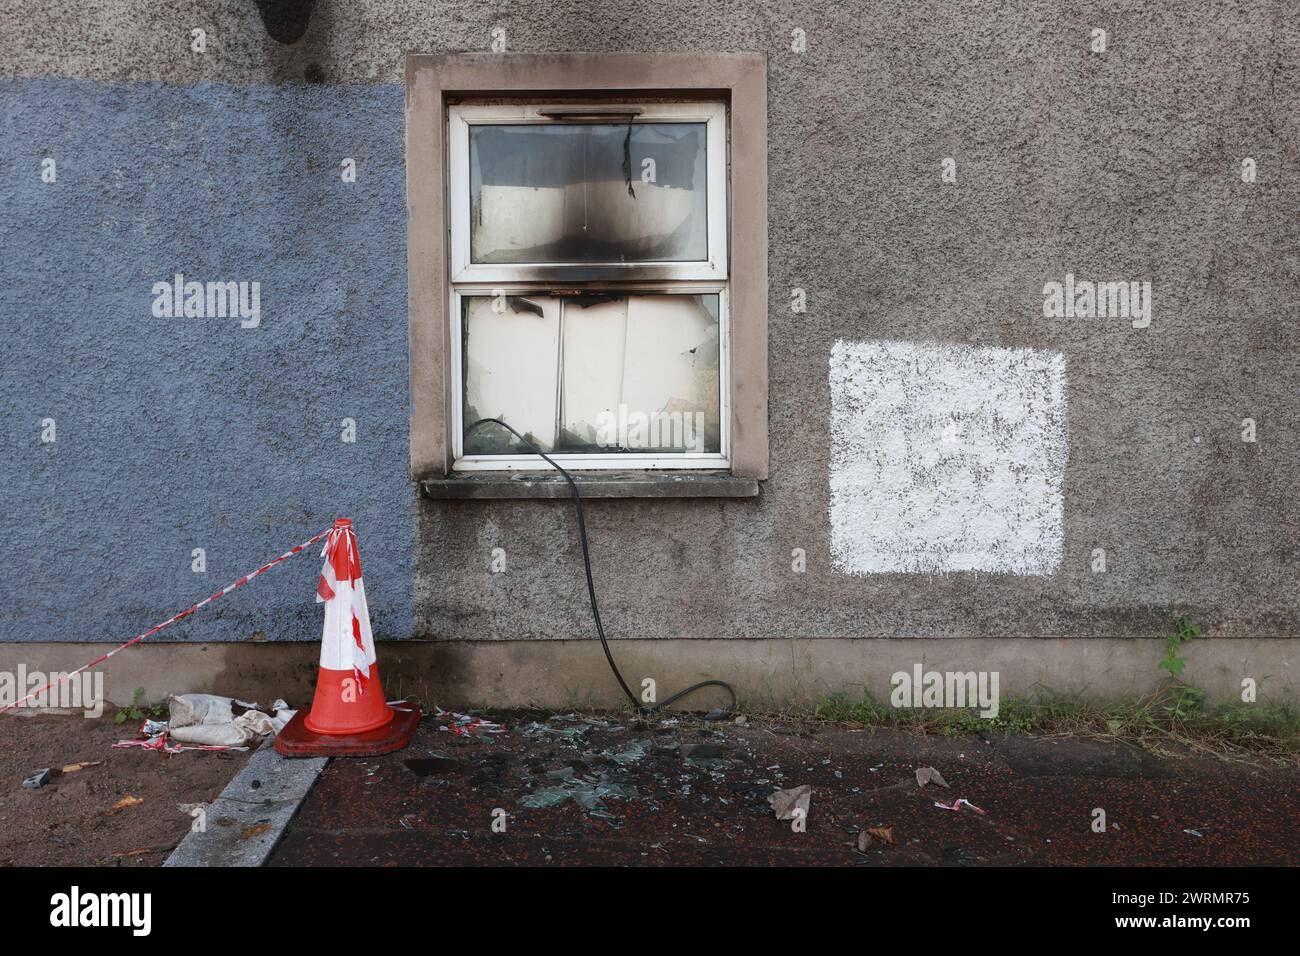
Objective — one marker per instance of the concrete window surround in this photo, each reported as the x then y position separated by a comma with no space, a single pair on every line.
434,81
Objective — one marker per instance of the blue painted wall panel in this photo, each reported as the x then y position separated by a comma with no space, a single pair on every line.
181,433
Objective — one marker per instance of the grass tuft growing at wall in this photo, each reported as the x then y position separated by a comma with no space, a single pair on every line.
1174,720
1159,723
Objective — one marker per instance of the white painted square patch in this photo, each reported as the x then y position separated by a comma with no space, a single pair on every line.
946,458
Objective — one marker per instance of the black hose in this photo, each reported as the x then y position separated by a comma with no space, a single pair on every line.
591,587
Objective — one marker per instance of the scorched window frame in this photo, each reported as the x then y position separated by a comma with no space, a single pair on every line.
707,276
713,268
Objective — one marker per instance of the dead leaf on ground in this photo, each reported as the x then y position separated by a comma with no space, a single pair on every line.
926,775
864,841
883,833
127,801
785,802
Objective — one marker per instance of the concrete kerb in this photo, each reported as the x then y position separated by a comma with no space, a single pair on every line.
244,824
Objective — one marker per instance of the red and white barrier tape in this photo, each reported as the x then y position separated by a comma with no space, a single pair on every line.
958,804
160,744
465,724
171,620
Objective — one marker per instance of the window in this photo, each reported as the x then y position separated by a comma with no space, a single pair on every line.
604,371
588,265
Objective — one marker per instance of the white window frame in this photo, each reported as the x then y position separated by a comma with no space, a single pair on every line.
459,120
542,279
627,461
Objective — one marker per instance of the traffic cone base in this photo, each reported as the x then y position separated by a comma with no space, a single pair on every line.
297,740
343,705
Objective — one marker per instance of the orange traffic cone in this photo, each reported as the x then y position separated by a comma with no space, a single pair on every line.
349,715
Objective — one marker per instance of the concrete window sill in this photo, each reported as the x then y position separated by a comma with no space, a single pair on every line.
603,484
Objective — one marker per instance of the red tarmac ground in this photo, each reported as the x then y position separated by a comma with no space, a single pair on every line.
620,791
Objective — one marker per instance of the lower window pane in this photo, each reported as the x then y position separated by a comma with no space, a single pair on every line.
593,374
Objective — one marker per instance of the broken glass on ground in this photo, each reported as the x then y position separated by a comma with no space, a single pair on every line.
438,764
584,791
632,754
550,797
705,756
578,780
572,732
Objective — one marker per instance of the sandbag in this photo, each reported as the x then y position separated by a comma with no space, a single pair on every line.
187,710
222,721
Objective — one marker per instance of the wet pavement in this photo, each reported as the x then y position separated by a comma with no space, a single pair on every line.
614,790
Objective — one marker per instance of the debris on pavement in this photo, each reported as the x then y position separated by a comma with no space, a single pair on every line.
958,804
186,710
160,744
926,775
1195,833
618,788
883,833
255,829
207,719
70,811
140,851
75,767
210,722
48,774
705,756
463,725
585,792
785,802
632,753
124,803
572,727
39,779
437,763
595,775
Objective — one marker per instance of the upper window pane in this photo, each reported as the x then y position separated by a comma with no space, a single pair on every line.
588,193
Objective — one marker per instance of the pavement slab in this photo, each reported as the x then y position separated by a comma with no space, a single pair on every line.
618,790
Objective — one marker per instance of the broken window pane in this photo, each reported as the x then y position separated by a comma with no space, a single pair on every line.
511,370
617,374
641,374
588,193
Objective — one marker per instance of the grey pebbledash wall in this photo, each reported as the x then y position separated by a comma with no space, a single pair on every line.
1127,164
